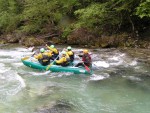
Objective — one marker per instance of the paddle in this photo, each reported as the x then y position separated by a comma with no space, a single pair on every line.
47,68
25,58
85,66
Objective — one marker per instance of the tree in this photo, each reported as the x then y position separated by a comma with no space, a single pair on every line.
9,15
109,15
38,13
144,9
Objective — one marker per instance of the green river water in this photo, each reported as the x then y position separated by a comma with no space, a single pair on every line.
119,84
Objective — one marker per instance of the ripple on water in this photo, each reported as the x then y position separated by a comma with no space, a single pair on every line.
100,64
3,68
14,54
39,73
11,83
101,76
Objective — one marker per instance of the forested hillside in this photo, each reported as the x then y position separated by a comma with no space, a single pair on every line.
66,21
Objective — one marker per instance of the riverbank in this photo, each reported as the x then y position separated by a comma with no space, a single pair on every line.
80,37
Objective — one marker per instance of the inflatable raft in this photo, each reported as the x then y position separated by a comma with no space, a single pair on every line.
55,68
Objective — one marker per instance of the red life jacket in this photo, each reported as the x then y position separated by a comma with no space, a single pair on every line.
86,58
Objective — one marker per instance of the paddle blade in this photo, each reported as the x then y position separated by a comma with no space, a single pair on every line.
87,68
25,58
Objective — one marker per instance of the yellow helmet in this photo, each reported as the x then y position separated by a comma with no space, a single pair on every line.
85,51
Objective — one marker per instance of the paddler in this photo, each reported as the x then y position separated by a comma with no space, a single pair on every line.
70,53
86,59
55,51
43,57
64,60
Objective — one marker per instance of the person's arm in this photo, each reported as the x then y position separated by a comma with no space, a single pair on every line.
70,53
55,50
67,56
80,55
49,48
49,54
36,56
39,56
60,61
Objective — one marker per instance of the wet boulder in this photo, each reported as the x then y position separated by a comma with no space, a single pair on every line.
31,41
113,40
11,38
2,41
56,40
81,37
61,106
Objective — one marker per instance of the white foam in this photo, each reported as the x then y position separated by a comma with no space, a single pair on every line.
115,58
17,64
12,83
10,53
117,63
24,49
2,65
14,54
40,73
101,64
133,78
102,76
19,78
133,63
3,68
8,60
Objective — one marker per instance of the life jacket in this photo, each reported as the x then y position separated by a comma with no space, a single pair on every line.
45,58
55,54
86,58
71,55
54,50
64,61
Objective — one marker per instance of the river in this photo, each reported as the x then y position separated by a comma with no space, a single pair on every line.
120,83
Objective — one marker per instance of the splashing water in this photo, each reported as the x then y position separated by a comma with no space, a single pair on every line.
99,77
119,84
11,83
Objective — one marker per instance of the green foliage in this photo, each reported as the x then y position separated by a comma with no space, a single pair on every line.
38,13
144,9
67,31
9,15
106,15
96,16
67,5
8,22
32,16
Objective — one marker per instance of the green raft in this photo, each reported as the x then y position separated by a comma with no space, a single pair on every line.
56,68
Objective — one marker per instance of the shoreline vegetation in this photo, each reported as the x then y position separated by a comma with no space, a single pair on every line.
88,23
